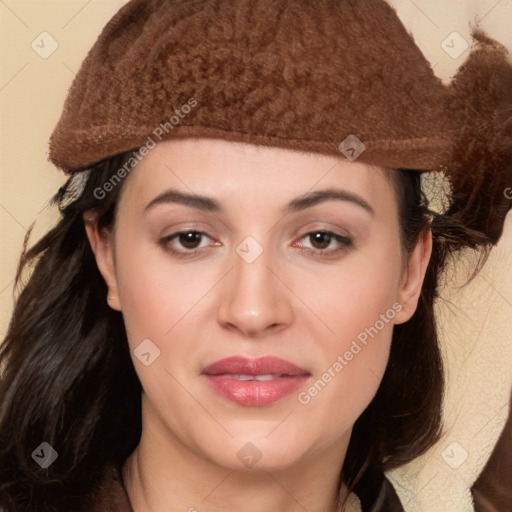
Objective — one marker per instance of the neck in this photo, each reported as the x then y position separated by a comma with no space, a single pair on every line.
166,476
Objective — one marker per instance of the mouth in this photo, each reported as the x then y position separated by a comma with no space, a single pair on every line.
254,382
261,378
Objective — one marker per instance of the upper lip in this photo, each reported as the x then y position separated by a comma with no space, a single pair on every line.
239,365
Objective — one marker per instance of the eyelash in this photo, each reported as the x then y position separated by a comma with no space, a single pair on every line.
345,243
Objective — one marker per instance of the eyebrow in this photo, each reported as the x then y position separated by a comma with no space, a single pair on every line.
303,202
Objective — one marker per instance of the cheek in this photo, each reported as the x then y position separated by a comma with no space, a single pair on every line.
156,293
161,302
358,305
352,297
354,362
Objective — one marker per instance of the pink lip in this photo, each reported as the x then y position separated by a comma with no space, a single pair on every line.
261,366
289,377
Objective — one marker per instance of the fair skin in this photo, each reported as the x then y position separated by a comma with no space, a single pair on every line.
299,305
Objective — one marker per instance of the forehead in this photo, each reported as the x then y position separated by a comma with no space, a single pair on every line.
238,172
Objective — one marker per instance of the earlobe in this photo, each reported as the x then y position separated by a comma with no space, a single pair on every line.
413,277
101,245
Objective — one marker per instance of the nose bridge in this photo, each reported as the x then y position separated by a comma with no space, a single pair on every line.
254,300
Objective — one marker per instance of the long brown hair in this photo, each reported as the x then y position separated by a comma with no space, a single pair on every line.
67,378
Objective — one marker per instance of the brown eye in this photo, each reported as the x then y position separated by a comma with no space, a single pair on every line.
190,239
184,243
320,240
325,242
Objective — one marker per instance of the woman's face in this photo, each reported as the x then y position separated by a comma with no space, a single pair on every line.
259,281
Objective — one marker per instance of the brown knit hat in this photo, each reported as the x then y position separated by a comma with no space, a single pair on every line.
330,76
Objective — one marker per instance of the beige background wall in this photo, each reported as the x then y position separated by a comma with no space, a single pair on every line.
476,323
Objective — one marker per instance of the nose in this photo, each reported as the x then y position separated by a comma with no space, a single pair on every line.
255,300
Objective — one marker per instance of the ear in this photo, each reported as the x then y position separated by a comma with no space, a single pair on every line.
413,276
102,247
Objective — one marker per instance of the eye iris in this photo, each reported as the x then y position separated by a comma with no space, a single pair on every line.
190,239
323,238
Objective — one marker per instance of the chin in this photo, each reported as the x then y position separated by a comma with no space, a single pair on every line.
256,453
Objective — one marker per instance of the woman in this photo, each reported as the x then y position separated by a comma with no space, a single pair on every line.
235,311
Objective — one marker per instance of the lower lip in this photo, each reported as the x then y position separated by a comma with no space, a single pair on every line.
254,392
